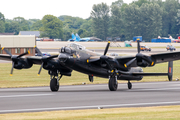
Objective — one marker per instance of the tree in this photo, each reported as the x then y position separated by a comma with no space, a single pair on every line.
151,21
36,25
140,2
100,17
66,34
170,9
132,21
116,21
2,17
2,23
145,21
52,27
118,3
12,26
72,22
2,26
23,24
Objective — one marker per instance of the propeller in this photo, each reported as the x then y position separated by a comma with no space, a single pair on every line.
107,47
102,58
139,57
14,58
44,58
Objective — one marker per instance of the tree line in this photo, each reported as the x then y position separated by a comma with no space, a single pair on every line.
146,18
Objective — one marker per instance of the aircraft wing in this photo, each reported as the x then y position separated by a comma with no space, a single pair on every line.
35,59
5,57
123,60
166,57
156,58
32,59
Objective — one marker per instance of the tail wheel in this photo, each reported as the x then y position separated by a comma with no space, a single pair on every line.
54,85
129,85
113,84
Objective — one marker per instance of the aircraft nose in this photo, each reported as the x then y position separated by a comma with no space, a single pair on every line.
63,57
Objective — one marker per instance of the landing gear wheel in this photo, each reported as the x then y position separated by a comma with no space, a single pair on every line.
113,84
54,85
129,85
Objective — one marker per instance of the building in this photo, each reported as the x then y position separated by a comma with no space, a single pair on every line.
18,44
36,33
7,33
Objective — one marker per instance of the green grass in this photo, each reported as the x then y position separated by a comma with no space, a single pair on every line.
140,113
28,77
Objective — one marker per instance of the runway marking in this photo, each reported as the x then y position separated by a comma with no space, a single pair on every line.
157,89
89,107
15,89
30,95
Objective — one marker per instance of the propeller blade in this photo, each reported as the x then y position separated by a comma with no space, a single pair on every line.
38,51
40,69
6,51
107,47
23,54
138,45
129,63
12,69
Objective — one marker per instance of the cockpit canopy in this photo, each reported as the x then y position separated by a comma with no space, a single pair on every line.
71,47
76,46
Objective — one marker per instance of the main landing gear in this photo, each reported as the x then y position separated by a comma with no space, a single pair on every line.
54,83
113,84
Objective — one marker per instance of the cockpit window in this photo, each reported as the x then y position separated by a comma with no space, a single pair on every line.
76,46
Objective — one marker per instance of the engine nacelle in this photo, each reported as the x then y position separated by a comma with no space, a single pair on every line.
142,64
48,66
22,65
64,71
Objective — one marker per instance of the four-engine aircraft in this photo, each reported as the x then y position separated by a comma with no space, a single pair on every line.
77,57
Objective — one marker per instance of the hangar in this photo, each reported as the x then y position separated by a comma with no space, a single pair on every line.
18,44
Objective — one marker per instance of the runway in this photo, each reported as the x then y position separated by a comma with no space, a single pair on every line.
89,97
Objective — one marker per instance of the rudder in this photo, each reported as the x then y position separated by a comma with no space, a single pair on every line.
170,70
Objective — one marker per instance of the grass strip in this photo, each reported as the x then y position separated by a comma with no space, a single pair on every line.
138,113
29,78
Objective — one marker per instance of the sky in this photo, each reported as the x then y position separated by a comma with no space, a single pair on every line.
36,9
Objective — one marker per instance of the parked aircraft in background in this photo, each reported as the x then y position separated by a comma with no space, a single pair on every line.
73,38
76,38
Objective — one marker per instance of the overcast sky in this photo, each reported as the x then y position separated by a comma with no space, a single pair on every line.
30,9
